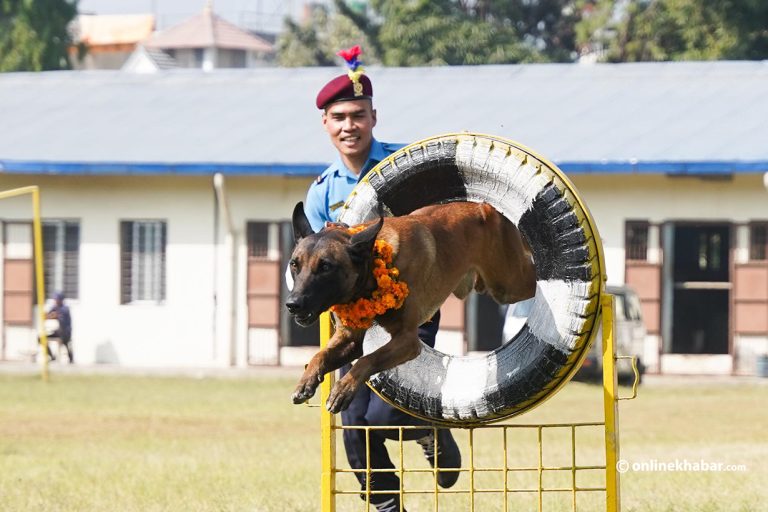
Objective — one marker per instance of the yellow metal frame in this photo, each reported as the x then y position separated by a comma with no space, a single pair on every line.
610,423
38,250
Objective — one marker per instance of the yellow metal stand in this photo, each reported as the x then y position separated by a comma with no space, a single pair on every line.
329,490
38,249
327,428
611,405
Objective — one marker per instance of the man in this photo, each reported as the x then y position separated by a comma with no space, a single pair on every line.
349,118
60,312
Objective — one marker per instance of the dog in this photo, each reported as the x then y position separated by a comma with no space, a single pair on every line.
439,250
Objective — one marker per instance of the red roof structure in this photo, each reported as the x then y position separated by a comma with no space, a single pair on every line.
207,30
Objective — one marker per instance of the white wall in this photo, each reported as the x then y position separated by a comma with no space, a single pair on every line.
180,331
615,199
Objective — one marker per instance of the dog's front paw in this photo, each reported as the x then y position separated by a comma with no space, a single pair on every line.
341,395
306,389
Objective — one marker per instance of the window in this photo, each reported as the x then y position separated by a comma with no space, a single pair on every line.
238,59
636,240
61,255
263,240
758,241
142,261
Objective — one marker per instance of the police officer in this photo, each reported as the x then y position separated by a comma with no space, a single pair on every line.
349,118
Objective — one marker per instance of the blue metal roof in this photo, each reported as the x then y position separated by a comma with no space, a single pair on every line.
153,168
282,169
686,118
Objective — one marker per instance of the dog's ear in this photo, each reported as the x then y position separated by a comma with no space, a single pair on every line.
361,244
301,226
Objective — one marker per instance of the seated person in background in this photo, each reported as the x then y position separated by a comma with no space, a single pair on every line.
63,332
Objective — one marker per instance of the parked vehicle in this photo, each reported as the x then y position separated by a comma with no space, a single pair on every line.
629,335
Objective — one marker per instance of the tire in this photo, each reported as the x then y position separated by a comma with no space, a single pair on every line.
533,194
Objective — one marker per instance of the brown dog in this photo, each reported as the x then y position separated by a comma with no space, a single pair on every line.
438,249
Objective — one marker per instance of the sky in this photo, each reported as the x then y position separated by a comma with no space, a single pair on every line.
262,15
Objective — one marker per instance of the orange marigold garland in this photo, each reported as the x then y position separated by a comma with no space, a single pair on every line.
390,293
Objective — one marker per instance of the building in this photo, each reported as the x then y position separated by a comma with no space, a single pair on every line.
207,41
168,265
109,40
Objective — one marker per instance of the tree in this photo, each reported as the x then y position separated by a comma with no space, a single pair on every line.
34,34
547,26
315,41
404,33
659,30
433,32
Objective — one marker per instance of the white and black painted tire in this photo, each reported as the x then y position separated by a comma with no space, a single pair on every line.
536,196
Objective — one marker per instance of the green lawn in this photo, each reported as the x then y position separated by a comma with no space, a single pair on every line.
128,443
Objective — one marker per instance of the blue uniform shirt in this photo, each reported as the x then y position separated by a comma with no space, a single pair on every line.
331,189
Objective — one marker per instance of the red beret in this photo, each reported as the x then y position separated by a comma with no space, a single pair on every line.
342,88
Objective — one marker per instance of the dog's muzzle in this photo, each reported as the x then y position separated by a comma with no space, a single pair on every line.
296,309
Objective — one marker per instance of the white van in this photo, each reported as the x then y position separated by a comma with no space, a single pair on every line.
629,334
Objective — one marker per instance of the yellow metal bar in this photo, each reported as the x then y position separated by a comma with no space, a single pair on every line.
490,426
37,233
541,472
471,468
573,464
477,491
367,470
434,474
5,194
506,473
610,385
402,472
327,430
635,382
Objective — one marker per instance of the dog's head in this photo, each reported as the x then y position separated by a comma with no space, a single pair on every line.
328,267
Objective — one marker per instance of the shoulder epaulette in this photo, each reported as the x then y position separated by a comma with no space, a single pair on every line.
392,146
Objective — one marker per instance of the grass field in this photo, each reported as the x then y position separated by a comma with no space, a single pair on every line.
131,443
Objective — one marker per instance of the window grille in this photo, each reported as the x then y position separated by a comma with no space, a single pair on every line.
263,240
61,256
142,261
636,242
758,241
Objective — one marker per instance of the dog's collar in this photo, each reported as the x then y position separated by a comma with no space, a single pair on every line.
390,292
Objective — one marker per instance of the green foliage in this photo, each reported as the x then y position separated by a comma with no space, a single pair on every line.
547,26
659,30
316,41
436,32
441,33
34,34
457,32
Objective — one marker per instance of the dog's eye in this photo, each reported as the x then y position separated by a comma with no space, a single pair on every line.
293,265
324,266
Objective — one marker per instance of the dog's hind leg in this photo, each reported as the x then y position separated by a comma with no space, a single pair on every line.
345,346
403,347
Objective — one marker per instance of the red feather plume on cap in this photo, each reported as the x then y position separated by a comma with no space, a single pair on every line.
350,55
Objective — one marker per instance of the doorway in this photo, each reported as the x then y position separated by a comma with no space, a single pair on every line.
697,257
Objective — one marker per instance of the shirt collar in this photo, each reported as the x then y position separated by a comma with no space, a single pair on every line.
375,155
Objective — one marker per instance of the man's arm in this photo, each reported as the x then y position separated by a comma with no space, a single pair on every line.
315,208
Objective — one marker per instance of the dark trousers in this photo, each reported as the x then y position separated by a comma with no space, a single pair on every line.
66,340
367,409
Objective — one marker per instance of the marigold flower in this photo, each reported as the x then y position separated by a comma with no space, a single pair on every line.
389,294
